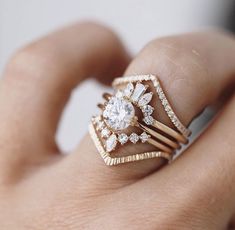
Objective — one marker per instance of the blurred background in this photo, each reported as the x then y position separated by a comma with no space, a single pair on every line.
136,21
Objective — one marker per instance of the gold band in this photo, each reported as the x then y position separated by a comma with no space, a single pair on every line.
169,131
108,130
110,160
162,138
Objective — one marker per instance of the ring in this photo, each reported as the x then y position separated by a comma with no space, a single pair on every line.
127,117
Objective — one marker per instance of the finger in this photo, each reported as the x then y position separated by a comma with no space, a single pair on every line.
193,71
39,78
199,186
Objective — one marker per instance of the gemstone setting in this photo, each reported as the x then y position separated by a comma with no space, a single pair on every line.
147,110
122,138
144,137
118,113
105,132
111,143
129,89
134,138
148,120
138,92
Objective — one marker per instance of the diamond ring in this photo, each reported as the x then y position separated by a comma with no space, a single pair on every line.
127,117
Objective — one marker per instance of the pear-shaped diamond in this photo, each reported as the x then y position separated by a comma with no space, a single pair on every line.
111,143
145,99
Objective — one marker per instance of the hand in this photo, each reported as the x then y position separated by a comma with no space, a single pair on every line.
41,189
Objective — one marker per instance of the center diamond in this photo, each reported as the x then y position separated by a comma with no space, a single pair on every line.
118,113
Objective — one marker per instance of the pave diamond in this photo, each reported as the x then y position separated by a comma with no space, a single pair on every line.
105,132
118,113
122,138
147,110
144,137
139,90
145,99
129,89
148,120
134,138
111,143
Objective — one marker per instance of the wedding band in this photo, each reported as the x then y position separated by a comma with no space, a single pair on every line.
130,106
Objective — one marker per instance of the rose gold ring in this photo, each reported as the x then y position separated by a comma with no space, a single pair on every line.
127,117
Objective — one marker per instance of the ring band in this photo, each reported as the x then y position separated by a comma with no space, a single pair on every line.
119,112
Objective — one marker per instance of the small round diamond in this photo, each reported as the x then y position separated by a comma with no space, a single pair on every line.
148,120
147,110
134,138
118,113
96,119
105,132
144,137
100,125
122,138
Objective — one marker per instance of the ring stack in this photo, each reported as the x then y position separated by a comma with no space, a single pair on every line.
132,106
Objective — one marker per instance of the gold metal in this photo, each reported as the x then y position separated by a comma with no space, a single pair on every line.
167,107
107,96
160,137
109,160
159,145
101,106
167,141
169,131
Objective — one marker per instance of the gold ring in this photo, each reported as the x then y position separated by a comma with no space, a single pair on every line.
132,106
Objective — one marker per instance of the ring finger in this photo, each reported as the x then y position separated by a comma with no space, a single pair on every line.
193,71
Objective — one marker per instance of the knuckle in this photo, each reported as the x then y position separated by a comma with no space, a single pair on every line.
178,65
180,58
105,34
28,63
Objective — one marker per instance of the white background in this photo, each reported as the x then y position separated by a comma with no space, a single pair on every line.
136,21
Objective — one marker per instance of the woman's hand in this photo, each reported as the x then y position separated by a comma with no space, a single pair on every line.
41,189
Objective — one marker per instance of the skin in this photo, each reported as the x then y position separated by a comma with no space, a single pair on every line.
41,189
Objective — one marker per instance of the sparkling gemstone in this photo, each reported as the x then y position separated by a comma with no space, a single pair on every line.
119,94
118,113
134,138
100,125
144,137
138,91
148,120
96,119
111,143
105,132
129,89
164,102
145,99
122,138
147,110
